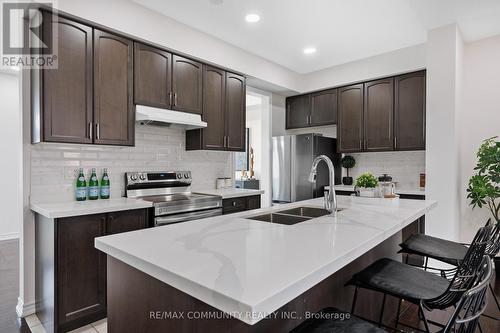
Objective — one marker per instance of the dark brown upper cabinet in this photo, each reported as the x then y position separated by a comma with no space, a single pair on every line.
350,119
224,110
378,115
298,111
324,108
235,112
316,109
63,96
152,76
114,111
214,100
187,85
409,111
88,98
382,115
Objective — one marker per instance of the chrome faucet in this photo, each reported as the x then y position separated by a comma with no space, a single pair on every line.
330,196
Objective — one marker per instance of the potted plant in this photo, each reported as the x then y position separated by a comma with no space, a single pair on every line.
348,162
484,186
366,185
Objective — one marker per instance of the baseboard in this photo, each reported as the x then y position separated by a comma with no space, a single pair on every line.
24,309
12,235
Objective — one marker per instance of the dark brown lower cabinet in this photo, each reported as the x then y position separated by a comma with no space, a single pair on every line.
70,271
240,204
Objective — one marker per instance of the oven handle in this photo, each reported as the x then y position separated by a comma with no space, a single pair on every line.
187,217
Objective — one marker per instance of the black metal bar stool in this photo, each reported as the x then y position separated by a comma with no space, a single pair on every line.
450,252
425,289
464,319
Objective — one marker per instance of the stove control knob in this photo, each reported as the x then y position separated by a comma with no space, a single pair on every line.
133,177
186,175
179,176
142,176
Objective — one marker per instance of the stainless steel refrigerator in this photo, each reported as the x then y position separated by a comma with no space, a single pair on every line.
292,160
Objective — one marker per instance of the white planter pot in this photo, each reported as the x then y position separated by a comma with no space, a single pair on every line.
367,192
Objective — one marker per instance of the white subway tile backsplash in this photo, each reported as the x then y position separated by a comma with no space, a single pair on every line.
404,166
53,166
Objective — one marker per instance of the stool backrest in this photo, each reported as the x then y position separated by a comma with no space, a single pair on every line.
465,318
493,246
466,274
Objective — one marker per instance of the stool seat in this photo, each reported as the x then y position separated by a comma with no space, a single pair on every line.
401,280
335,321
433,247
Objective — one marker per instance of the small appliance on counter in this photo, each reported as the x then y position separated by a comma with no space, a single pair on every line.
170,193
292,158
387,187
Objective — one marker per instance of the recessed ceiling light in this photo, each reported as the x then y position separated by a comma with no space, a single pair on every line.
309,50
252,18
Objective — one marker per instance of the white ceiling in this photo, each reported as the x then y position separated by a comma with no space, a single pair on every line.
341,30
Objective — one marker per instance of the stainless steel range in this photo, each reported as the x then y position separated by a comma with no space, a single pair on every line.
170,193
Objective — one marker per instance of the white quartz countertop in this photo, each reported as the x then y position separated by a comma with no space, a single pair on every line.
252,268
54,210
408,191
227,193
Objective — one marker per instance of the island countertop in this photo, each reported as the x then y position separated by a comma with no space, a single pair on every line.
249,268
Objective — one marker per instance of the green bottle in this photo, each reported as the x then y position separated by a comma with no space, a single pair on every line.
93,186
81,186
105,185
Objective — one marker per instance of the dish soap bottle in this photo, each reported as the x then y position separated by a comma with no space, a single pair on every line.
93,186
105,185
81,186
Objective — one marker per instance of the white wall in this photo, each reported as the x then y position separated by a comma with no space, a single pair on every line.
254,123
399,61
444,47
403,166
53,166
11,161
480,119
129,17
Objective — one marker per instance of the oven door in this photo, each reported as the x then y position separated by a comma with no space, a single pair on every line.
183,217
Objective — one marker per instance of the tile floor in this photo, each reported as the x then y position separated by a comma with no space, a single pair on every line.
100,326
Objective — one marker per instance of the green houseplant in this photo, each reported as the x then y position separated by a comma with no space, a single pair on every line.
484,186
348,162
366,184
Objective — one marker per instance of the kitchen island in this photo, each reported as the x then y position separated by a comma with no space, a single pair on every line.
232,274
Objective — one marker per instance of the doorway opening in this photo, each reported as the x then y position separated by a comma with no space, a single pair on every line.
253,167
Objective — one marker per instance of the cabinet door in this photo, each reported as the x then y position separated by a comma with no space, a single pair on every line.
235,112
350,119
81,268
114,111
324,108
298,110
152,76
253,202
67,90
187,85
409,111
379,115
214,90
128,220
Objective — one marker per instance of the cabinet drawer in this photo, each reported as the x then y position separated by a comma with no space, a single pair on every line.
234,205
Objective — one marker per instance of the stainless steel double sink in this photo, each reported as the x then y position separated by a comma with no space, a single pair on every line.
291,216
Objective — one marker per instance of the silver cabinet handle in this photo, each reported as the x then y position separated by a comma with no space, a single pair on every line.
97,130
395,142
170,98
360,144
90,130
175,99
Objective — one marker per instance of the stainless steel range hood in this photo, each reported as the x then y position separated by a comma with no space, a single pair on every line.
168,118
